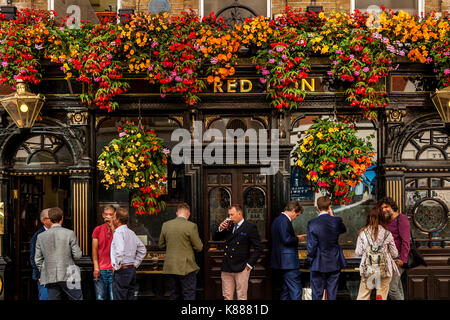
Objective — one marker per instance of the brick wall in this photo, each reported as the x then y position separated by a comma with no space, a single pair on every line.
35,4
328,5
445,5
178,6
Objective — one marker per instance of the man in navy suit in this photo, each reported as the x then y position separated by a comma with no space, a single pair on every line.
324,253
239,236
284,256
46,224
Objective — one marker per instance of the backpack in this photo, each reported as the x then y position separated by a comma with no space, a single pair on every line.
375,262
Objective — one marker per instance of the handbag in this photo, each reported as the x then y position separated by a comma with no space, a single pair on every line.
415,258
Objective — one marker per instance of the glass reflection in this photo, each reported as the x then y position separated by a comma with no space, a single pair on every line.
219,201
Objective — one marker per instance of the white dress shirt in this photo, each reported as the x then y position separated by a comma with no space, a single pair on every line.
287,216
126,248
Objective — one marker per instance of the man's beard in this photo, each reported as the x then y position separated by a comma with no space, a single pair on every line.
390,214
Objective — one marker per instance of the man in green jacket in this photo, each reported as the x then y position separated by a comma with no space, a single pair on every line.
180,238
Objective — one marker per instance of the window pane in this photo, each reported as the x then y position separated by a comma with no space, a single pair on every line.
43,151
435,182
257,6
226,179
412,197
213,179
255,209
219,202
422,183
104,5
248,178
409,6
148,228
431,154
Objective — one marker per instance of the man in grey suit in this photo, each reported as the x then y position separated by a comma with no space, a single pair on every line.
55,251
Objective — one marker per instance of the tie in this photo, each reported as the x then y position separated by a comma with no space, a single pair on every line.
235,228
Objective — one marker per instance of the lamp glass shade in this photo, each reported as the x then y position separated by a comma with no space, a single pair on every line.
441,100
22,106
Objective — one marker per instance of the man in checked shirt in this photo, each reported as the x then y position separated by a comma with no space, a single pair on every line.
127,252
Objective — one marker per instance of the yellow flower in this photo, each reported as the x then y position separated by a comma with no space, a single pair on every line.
299,163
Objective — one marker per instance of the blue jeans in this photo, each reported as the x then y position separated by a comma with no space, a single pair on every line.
104,285
43,292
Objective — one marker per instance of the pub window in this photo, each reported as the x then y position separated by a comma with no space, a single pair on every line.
147,228
93,11
105,5
230,11
42,151
427,202
96,5
354,213
410,6
427,145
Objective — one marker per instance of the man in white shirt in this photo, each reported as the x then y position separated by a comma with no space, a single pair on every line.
127,252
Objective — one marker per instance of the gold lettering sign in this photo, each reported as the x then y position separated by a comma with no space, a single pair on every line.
218,86
243,82
255,86
231,85
310,86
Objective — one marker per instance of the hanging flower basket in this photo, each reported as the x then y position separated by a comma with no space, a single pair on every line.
334,158
136,162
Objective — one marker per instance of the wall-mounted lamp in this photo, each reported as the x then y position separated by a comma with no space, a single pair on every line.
23,106
441,100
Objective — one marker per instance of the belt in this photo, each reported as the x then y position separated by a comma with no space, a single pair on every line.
129,266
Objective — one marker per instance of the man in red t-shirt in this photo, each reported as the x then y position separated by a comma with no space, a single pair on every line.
398,224
101,255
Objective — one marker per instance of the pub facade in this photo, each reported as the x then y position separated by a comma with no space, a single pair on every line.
54,163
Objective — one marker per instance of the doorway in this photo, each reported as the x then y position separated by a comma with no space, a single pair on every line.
31,194
250,189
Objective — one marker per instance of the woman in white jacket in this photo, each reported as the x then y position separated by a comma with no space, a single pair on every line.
378,253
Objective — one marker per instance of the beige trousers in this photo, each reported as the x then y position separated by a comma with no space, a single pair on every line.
232,281
365,288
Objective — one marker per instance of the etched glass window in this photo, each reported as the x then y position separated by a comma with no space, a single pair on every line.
255,209
219,200
410,6
235,11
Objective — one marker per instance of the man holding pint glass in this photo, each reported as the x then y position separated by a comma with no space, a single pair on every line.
239,236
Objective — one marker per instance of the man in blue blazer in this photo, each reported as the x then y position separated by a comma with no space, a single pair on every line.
46,224
284,255
324,253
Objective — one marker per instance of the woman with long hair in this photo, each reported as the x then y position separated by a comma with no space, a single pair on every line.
378,253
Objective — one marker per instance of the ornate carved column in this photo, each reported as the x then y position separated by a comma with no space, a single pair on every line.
395,187
81,206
